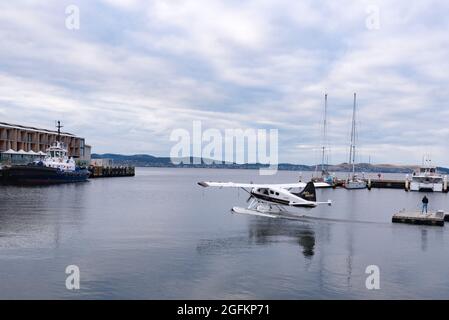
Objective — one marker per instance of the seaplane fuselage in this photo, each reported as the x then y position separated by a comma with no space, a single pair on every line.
281,197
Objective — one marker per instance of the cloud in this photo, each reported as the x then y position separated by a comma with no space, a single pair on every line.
136,70
124,4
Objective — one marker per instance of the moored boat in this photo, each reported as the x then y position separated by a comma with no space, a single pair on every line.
428,179
36,174
353,181
57,167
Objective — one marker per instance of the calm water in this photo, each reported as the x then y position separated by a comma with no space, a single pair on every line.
159,235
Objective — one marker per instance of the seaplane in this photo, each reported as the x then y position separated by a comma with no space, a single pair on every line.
271,200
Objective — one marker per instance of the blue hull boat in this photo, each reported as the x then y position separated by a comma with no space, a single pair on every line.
41,175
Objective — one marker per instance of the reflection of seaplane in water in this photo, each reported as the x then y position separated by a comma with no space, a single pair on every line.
270,200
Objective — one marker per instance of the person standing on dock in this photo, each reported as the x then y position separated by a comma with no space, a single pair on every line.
425,202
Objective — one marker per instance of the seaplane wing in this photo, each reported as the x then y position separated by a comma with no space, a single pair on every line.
299,185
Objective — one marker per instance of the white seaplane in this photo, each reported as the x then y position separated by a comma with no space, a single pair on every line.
270,200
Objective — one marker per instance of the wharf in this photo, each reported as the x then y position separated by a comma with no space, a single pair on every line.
377,183
110,172
386,184
431,219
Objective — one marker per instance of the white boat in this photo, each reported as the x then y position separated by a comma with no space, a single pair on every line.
353,181
57,157
427,179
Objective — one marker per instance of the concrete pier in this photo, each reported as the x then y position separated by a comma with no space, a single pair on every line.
431,218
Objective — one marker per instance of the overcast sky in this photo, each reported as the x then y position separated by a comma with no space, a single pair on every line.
136,70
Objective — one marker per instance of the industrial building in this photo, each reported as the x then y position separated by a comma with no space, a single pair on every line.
26,142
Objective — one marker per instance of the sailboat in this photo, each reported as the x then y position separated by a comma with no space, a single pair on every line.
353,182
325,175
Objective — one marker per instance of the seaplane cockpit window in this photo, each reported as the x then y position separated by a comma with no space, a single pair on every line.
271,191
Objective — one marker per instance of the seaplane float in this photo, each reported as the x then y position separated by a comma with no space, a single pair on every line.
271,200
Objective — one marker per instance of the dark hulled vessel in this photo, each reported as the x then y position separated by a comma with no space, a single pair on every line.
39,174
56,167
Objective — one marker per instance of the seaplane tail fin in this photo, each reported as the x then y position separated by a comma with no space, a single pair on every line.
309,192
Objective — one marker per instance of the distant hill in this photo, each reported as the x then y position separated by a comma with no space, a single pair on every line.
144,160
138,160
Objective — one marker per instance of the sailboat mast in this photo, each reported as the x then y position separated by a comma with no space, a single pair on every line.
323,156
353,135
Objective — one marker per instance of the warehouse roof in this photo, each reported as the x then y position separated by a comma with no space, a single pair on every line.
20,127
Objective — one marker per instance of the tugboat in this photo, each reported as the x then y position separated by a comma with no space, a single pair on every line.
57,167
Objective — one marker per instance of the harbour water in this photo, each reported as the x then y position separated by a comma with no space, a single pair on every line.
161,236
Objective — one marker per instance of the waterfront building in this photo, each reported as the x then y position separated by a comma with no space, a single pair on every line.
18,142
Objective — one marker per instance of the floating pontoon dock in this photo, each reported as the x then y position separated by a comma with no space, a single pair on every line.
431,218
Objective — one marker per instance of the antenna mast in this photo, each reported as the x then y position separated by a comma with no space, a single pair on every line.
59,129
